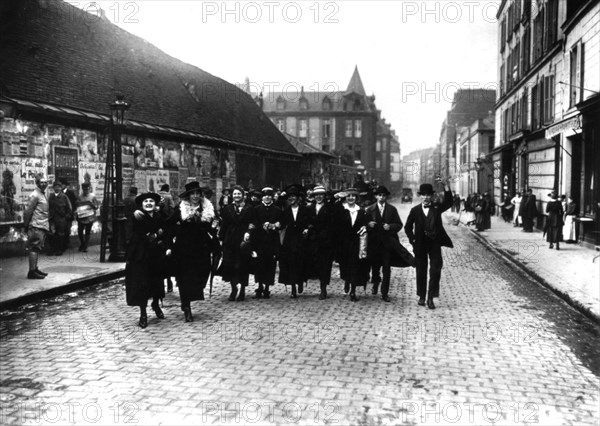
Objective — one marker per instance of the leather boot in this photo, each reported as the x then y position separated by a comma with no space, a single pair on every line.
375,288
33,273
242,295
346,287
143,322
294,294
300,287
259,292
187,314
169,285
233,293
266,293
353,293
159,313
323,294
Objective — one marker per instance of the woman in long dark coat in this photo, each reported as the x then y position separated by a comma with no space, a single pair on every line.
354,267
266,243
296,221
145,254
236,224
555,222
195,241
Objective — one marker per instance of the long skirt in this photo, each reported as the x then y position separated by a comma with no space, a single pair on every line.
143,281
554,234
569,233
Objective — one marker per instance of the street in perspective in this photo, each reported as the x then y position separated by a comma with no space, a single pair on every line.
300,213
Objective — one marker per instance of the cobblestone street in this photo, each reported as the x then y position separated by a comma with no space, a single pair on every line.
499,349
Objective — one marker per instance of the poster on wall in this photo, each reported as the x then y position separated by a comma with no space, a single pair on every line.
140,180
18,182
94,174
88,146
183,177
202,162
128,180
172,155
127,157
174,182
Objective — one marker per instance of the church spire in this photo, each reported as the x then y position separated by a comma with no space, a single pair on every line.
355,84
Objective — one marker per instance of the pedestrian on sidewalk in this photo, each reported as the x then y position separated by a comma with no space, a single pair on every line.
195,241
469,209
60,217
36,225
72,196
516,201
425,231
569,232
528,210
145,253
554,221
85,213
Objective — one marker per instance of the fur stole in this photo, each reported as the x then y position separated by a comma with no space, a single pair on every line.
205,211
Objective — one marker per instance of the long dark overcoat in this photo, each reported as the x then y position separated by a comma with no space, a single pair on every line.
235,267
266,242
352,269
145,254
416,225
292,260
322,239
554,223
194,242
379,239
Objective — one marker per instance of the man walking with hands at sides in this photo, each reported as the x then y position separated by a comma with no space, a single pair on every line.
427,235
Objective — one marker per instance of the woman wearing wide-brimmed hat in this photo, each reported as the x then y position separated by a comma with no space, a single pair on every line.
352,221
145,253
237,223
296,221
195,243
554,222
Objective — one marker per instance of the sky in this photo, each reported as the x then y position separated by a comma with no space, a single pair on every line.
412,55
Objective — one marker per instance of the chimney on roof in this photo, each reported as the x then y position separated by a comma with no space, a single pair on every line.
260,100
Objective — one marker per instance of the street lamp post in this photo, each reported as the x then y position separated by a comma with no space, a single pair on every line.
117,113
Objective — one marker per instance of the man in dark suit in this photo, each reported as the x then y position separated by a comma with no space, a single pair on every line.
426,233
384,224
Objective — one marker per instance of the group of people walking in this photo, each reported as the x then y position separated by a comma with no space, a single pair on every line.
245,238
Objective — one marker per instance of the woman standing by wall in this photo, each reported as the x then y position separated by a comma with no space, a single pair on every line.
195,240
143,277
555,221
569,234
237,222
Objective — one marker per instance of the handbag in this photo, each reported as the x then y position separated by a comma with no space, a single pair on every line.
478,208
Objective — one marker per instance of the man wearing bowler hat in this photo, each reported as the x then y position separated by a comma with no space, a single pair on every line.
383,226
427,235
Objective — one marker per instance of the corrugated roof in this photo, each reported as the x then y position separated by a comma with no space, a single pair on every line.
54,53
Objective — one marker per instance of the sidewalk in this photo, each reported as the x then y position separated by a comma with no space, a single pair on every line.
571,272
69,272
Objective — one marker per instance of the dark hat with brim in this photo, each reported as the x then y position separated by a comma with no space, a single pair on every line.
267,190
294,189
381,190
189,188
351,191
553,195
319,190
426,189
140,198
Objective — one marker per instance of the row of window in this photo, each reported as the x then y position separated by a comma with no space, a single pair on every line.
353,128
515,117
326,104
529,50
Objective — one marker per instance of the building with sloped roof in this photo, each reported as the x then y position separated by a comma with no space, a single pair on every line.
61,67
343,123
